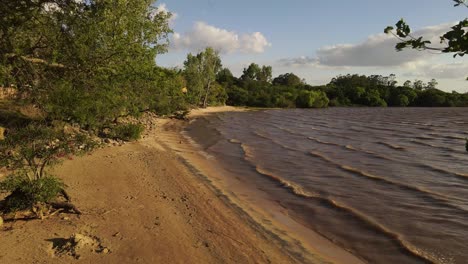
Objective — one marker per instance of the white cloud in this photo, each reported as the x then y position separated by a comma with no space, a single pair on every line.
203,35
376,51
299,61
439,71
254,42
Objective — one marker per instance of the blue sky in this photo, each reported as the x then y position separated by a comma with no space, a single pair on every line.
316,39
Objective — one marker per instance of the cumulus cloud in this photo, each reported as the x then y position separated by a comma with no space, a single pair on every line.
203,35
441,71
254,42
298,61
376,51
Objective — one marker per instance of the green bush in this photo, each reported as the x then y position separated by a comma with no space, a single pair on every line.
25,193
128,132
312,99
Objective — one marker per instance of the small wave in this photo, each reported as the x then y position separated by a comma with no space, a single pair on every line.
257,133
294,188
433,146
289,131
438,197
350,147
455,137
443,136
356,130
274,141
393,236
234,141
424,138
372,153
392,146
324,142
444,171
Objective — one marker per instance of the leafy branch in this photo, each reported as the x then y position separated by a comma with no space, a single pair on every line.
455,40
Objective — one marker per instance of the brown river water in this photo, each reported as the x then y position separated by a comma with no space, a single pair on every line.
389,185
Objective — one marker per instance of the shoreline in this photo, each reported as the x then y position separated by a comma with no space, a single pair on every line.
158,200
271,216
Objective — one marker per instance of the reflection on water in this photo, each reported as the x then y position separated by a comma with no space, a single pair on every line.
390,185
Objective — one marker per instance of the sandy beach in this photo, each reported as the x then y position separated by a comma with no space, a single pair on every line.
159,200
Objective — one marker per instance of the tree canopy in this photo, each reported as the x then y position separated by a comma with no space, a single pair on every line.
63,54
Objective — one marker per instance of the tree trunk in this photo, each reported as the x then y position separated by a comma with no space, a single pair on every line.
205,101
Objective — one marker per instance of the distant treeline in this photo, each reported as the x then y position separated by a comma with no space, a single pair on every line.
257,88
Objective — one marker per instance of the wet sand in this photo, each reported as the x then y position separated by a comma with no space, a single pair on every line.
269,214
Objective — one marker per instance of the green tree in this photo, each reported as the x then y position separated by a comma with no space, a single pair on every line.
250,73
265,75
287,79
419,85
256,73
408,84
432,84
82,50
225,76
201,71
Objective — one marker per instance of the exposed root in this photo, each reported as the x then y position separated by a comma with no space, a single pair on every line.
67,207
65,195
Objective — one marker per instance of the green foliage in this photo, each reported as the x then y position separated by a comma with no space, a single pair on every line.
25,193
127,132
312,99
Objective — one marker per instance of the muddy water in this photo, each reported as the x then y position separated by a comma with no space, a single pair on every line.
389,185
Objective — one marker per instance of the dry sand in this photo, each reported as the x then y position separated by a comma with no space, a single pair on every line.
157,201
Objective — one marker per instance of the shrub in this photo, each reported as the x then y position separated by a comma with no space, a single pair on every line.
29,151
128,132
34,147
24,193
